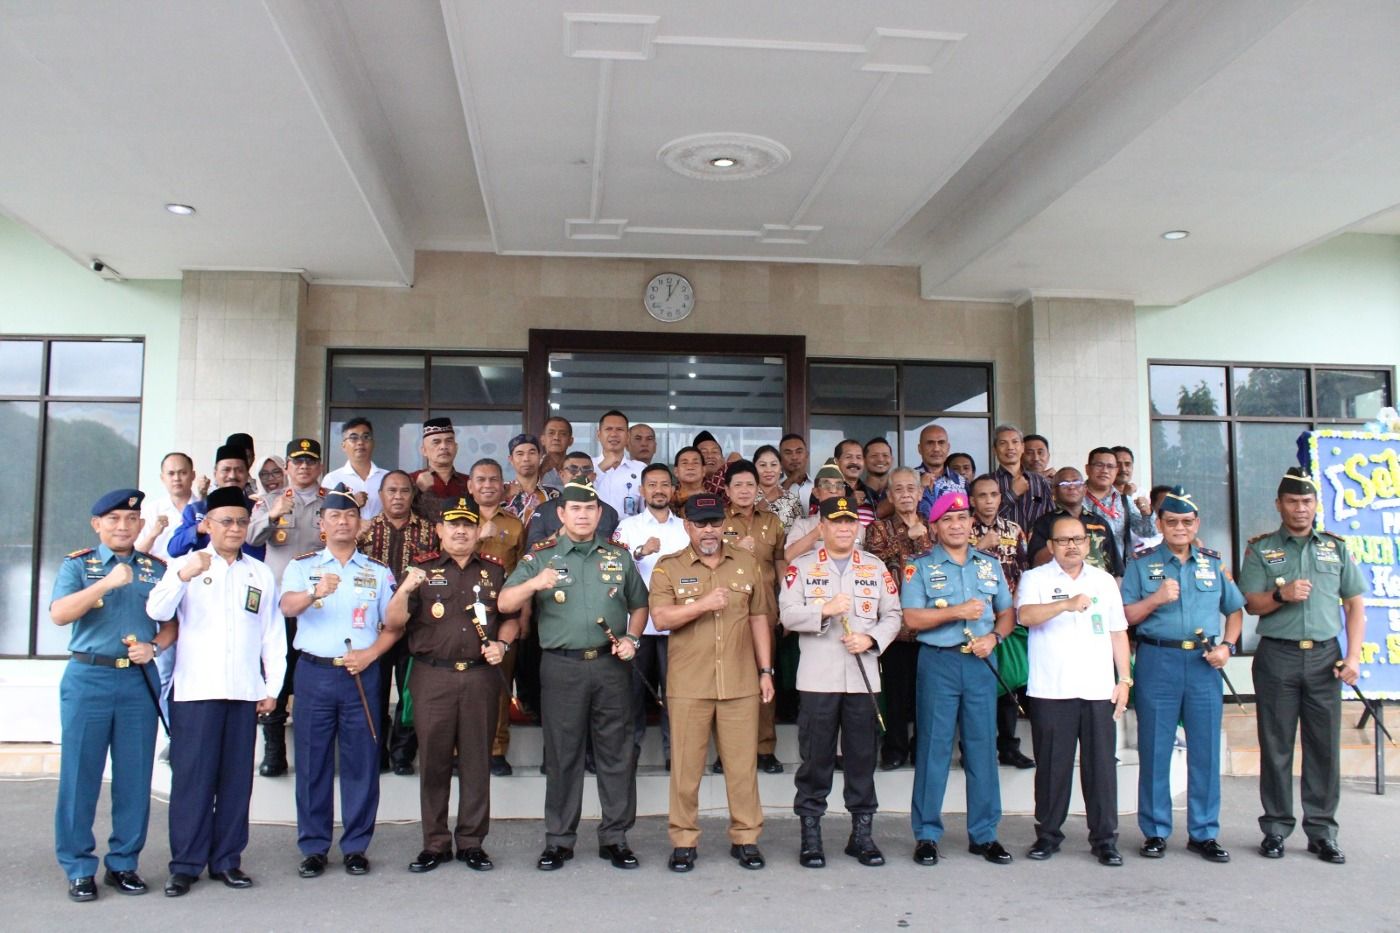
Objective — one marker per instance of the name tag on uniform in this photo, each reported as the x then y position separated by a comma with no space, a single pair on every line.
253,600
1156,572
689,581
1274,556
437,581
1059,595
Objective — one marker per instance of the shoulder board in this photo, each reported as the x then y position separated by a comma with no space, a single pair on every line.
1209,553
321,491
616,539
425,556
546,543
83,552
379,562
489,558
151,557
1329,534
1260,537
307,554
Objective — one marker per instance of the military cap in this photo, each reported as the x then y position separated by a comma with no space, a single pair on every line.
226,496
461,509
1177,500
955,501
437,426
835,508
829,470
1296,482
118,500
578,492
703,506
340,498
304,448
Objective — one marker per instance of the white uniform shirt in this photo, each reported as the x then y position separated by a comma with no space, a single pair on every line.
633,532
621,487
369,486
1071,654
233,641
150,510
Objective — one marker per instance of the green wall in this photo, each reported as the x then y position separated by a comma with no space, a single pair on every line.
43,291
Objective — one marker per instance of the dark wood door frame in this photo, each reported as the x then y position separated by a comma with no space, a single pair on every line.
792,348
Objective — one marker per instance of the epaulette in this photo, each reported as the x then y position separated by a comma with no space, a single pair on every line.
1332,534
546,543
307,554
1259,537
615,539
321,491
82,552
379,562
490,558
151,557
1209,553
426,556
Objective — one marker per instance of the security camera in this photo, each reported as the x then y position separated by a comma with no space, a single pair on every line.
98,266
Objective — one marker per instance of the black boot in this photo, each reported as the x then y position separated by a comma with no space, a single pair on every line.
274,763
860,844
811,854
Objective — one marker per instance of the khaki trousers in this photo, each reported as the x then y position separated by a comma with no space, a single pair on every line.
735,727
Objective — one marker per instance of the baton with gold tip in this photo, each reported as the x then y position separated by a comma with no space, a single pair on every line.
1369,704
1210,645
364,701
967,649
478,618
655,694
130,640
860,666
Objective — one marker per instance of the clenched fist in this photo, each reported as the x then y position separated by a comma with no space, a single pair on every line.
1169,591
119,577
198,563
413,578
837,605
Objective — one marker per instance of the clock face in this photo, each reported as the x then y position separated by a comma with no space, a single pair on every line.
669,297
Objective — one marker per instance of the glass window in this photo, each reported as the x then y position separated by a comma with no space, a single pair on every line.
829,430
1186,390
19,426
92,449
100,369
852,387
1270,392
477,381
1194,454
377,379
21,367
479,434
965,435
945,388
1351,393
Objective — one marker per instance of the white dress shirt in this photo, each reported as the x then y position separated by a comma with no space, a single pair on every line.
369,486
233,641
620,487
152,509
1071,654
634,531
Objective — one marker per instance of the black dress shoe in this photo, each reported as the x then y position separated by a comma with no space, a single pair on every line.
554,857
890,761
500,767
1327,850
717,767
312,866
682,859
619,855
748,855
1108,855
384,766
427,860
991,851
1272,846
1208,849
126,882
1155,847
475,858
769,764
403,768
1042,850
1015,759
233,878
356,864
83,889
178,884
590,764
925,852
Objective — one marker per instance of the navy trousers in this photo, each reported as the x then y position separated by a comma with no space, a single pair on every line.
330,719
103,708
1174,686
211,764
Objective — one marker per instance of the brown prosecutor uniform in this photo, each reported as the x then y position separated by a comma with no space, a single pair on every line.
506,544
454,694
712,683
768,540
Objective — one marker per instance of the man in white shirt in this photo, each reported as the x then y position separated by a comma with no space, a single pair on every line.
229,669
617,477
1078,638
360,474
162,516
650,536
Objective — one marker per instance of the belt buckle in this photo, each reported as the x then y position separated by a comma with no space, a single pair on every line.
121,662
1187,645
337,662
1306,644
590,654
459,665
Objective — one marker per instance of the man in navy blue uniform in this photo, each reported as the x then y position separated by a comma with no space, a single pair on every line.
107,699
1170,593
337,594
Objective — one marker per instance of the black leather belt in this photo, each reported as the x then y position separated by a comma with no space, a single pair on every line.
957,648
1303,644
450,665
322,662
100,660
1185,645
581,654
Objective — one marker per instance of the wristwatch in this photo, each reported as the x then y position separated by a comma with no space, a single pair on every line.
1232,646
997,636
637,552
636,640
1126,680
767,670
1278,596
155,649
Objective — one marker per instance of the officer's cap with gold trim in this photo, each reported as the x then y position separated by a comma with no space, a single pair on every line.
118,500
837,508
460,509
304,448
1177,500
828,470
1296,482
339,498
578,492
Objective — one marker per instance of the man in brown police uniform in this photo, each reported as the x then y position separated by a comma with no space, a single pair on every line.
714,600
454,692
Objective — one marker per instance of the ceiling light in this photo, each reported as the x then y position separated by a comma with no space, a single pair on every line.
1176,234
690,375
184,210
724,162
554,406
672,407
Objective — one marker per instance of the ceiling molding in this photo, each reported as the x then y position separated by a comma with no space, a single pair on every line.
455,30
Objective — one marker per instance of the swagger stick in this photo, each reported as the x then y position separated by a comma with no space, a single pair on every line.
1369,704
1209,643
655,694
155,697
478,618
364,702
967,649
860,666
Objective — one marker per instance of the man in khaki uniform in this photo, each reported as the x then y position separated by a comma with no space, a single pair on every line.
761,534
713,600
844,606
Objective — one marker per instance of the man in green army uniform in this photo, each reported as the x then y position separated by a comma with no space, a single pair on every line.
1293,580
581,585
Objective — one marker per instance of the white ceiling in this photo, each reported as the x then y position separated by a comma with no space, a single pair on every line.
1001,145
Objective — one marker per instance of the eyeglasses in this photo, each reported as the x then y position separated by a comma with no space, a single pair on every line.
1069,542
831,485
1104,465
270,474
577,470
707,522
227,523
359,438
1070,484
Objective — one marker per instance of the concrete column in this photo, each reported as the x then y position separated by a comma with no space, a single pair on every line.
238,360
1082,356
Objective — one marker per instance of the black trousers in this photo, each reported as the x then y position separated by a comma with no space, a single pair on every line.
820,718
278,716
899,675
211,753
580,699
1298,687
1007,715
650,663
398,744
1057,727
527,671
